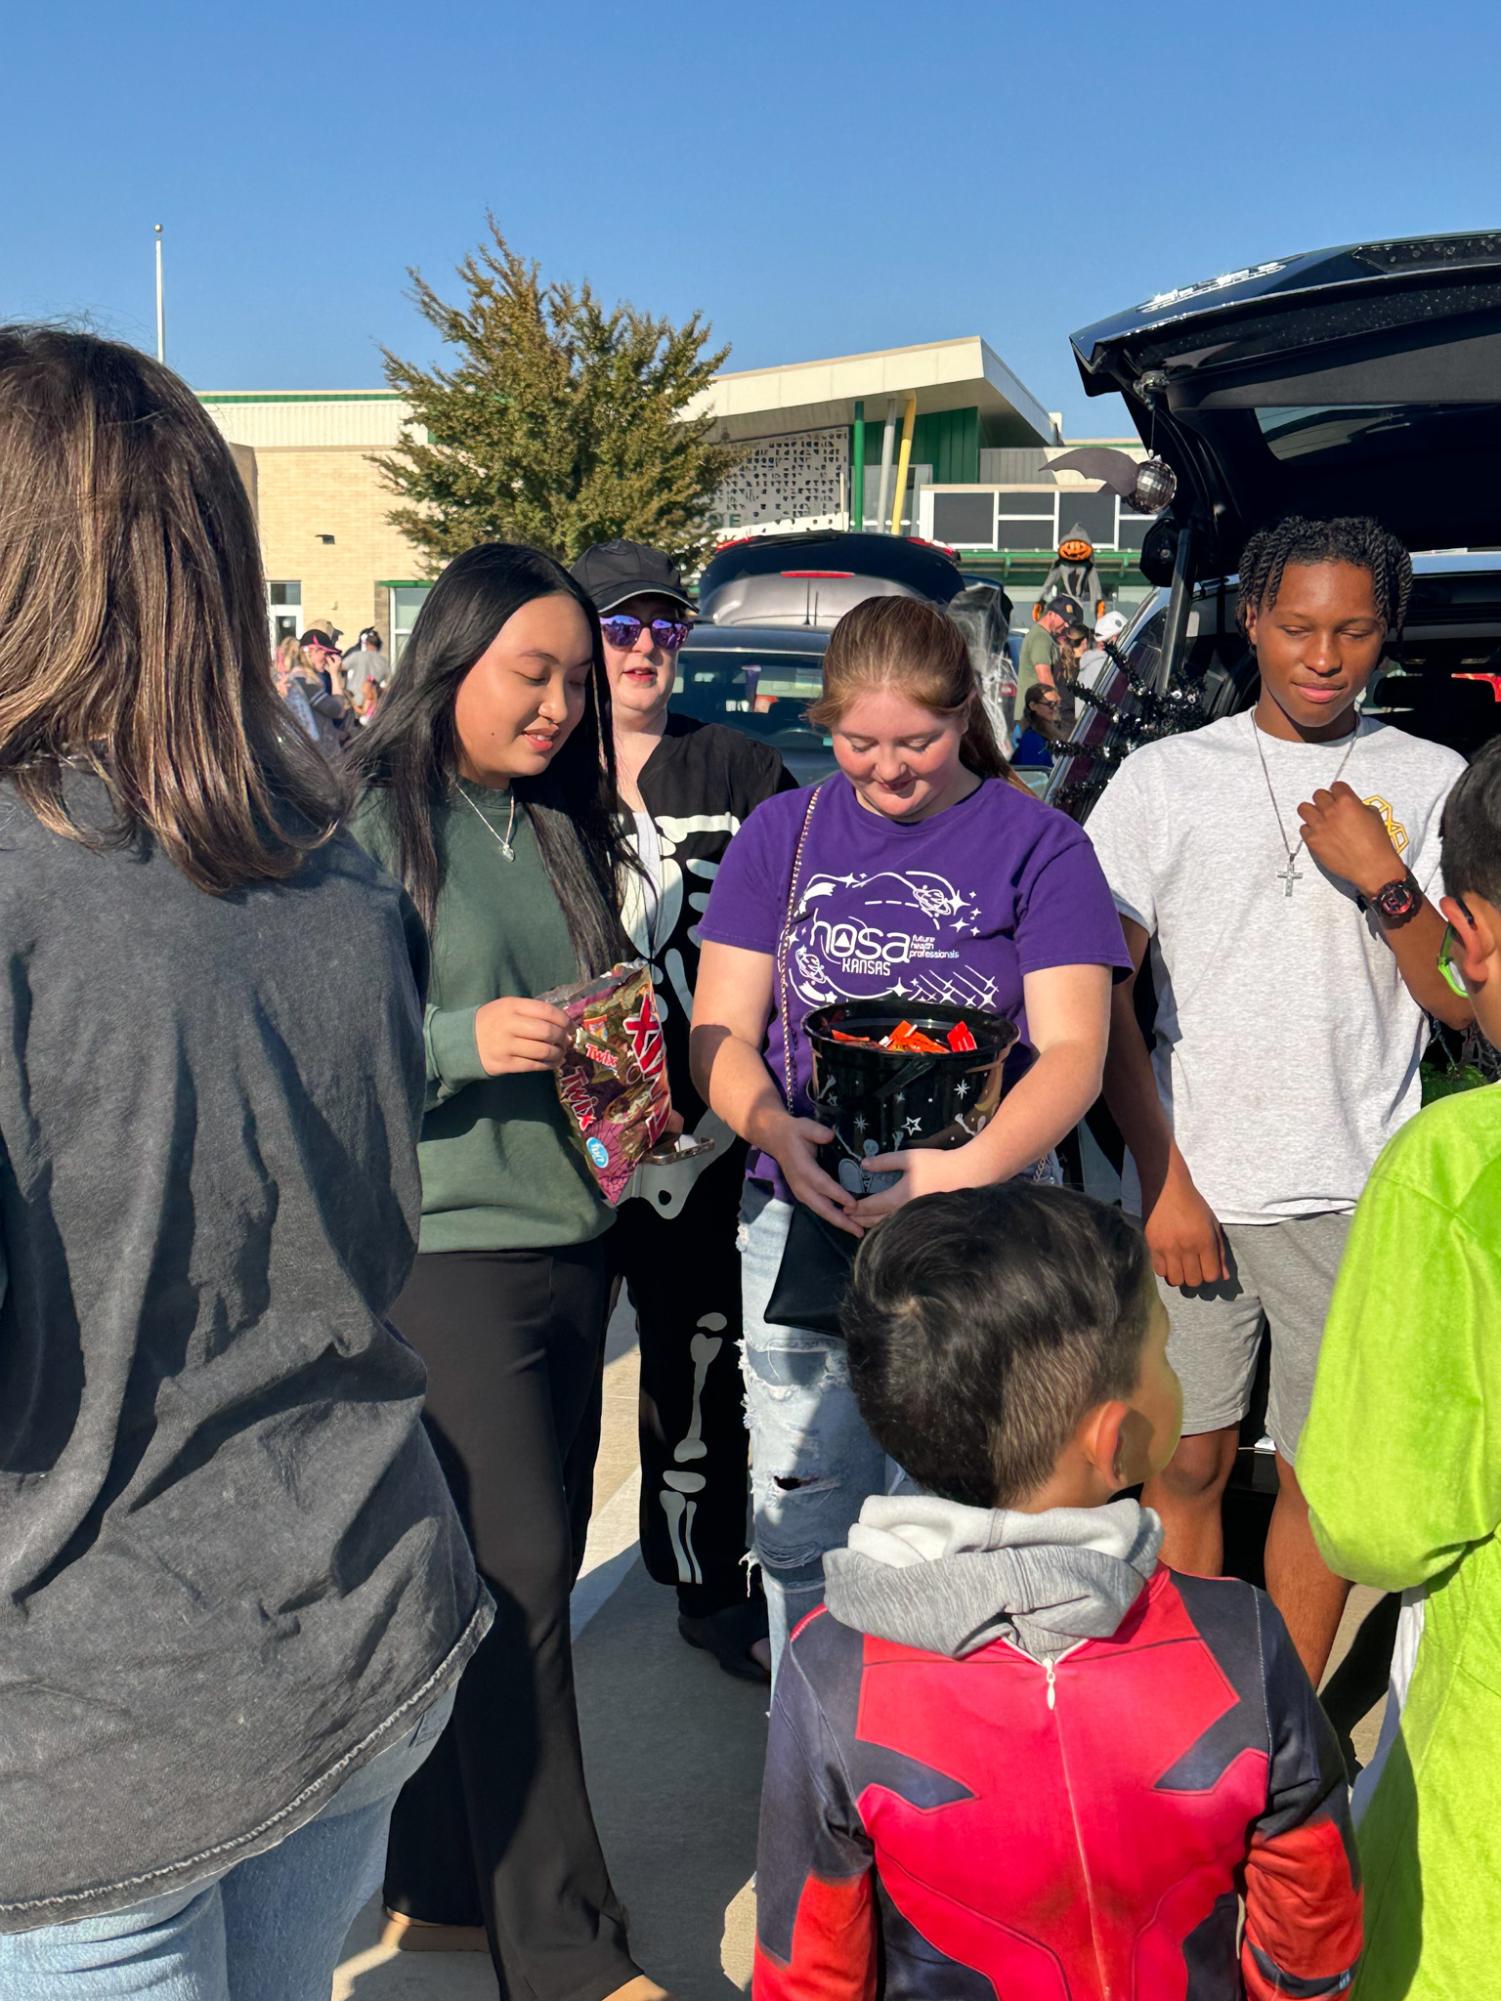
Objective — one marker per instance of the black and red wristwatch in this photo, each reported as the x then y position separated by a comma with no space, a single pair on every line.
1398,900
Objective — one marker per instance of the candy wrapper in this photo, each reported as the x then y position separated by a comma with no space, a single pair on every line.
613,1081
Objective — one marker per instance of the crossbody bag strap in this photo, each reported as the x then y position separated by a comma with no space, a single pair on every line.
784,946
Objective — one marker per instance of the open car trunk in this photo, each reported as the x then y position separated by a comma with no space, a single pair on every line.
1364,380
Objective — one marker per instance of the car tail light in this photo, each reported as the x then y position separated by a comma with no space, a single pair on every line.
818,573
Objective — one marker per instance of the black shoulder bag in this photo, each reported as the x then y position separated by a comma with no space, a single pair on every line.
815,1270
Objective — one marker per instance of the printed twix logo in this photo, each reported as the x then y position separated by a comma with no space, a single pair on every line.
575,1095
646,1036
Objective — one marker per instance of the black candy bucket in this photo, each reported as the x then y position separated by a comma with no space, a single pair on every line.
888,1100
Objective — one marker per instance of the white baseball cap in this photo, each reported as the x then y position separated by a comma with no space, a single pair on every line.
1110,625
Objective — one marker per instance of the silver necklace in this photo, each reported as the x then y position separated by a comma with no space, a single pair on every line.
484,819
1291,874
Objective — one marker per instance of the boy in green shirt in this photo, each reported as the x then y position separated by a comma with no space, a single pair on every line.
1401,1465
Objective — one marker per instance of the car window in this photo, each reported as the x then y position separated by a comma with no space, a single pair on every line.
766,694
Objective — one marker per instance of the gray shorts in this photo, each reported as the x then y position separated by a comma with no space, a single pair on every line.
1281,1278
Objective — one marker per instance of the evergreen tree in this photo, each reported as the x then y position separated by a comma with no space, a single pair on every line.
560,423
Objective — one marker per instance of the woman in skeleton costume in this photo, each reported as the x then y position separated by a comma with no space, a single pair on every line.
685,787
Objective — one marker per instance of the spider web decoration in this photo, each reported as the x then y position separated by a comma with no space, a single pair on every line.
1152,716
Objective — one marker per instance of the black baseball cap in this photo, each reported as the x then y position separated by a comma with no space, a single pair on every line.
317,635
1068,609
612,572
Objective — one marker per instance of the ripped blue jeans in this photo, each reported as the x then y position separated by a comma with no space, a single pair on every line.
813,1463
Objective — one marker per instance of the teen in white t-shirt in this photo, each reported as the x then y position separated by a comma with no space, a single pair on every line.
1279,865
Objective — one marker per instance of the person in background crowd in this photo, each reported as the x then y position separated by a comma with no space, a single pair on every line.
1073,643
1014,1754
1294,946
1092,655
234,1594
1040,729
366,662
489,778
293,687
1108,627
923,860
1401,1464
685,787
1039,656
320,671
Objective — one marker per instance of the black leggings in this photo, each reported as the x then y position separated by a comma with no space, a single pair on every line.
496,1828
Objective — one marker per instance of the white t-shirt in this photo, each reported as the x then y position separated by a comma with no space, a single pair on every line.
1287,1045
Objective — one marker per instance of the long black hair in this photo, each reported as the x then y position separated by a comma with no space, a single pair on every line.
411,751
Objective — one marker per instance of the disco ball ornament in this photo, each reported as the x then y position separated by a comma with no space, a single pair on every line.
1156,483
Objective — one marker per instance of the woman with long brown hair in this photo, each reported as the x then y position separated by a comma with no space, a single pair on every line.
923,868
234,1594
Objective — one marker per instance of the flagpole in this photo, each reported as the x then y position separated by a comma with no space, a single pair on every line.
161,312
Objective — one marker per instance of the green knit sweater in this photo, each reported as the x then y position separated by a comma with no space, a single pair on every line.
499,1171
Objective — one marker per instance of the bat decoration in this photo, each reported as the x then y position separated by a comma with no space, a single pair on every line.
1147,487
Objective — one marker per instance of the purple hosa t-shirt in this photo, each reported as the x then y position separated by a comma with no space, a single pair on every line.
957,907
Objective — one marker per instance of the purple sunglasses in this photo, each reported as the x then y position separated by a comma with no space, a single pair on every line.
622,629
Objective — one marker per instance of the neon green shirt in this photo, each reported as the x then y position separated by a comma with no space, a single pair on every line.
1401,1464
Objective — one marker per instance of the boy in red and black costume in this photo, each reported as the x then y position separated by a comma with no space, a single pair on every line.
1013,1755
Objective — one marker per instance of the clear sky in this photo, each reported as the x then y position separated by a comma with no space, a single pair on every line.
818,178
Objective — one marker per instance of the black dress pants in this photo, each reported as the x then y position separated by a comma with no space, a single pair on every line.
683,1275
496,1828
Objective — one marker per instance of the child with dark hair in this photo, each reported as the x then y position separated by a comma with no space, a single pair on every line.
1411,1365
1014,1754
1280,865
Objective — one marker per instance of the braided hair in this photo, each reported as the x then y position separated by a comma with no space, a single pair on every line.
1351,538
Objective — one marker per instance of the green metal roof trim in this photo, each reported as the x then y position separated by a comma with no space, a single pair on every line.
404,583
298,396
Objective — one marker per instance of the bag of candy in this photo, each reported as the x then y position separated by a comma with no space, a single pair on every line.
613,1081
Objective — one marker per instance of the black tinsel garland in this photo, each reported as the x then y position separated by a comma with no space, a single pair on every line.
1152,716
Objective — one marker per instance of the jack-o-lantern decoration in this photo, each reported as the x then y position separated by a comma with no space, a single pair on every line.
1075,575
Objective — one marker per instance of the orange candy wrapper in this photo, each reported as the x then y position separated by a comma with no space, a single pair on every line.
613,1081
910,1041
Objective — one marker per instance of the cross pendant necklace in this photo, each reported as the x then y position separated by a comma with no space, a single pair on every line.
1292,873
504,839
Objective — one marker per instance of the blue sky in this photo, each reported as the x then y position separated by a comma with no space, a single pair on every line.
818,178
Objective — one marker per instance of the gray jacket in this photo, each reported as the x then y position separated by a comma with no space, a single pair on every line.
230,1570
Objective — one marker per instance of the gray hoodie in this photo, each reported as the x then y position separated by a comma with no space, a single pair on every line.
934,1574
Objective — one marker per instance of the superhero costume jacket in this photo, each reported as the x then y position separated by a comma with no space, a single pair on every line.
999,1827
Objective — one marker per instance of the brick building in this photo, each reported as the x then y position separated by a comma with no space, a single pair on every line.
939,440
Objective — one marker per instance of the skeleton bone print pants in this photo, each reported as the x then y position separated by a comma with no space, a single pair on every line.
683,1275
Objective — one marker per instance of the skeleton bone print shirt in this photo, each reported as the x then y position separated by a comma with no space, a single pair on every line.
700,784
958,907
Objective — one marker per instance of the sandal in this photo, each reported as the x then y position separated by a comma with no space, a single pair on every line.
729,1636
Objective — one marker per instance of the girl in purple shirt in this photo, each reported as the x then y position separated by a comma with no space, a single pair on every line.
926,871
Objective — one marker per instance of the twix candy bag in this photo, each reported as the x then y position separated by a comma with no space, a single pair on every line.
613,1081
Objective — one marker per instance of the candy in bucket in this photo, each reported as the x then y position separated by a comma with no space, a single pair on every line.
893,1074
